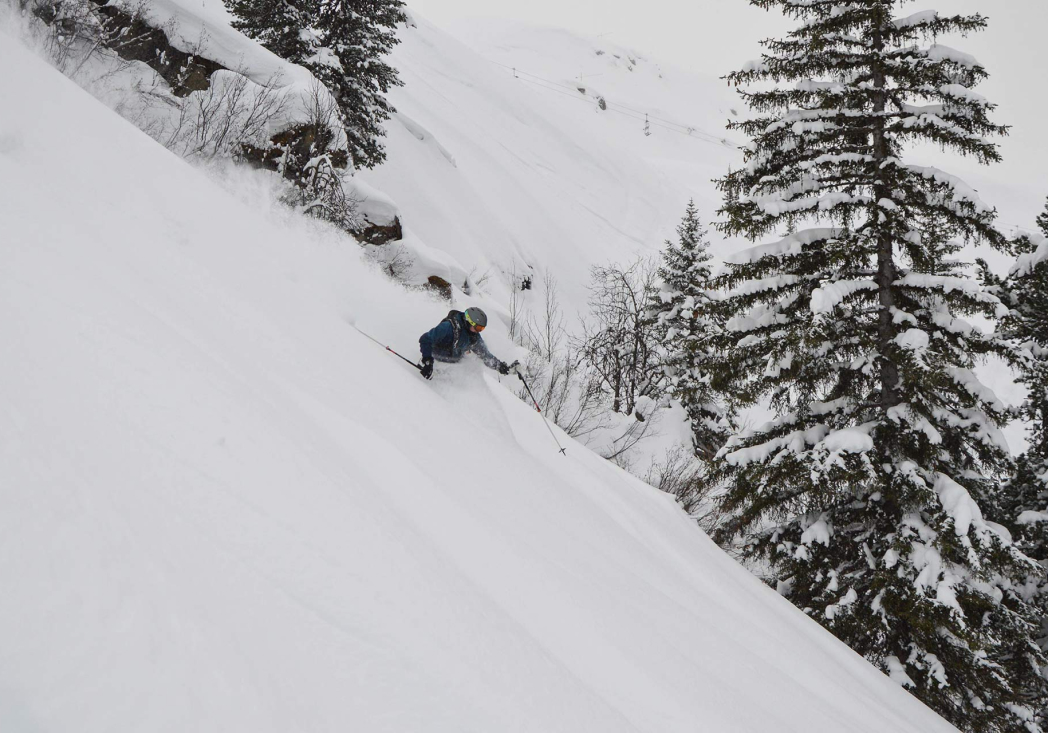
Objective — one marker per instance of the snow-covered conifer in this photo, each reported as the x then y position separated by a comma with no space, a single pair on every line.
282,26
354,36
1024,504
685,327
861,494
343,42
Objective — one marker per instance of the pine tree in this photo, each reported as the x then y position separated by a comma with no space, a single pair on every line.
1042,220
354,36
343,43
1024,507
685,326
861,496
282,26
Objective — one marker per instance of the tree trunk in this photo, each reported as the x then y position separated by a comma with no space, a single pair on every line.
886,274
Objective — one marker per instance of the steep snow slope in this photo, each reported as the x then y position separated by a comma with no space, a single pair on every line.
628,205
222,509
503,172
1015,187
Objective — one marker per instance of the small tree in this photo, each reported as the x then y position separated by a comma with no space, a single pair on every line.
619,342
685,326
557,372
861,496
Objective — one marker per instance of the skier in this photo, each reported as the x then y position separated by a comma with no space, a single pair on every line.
454,336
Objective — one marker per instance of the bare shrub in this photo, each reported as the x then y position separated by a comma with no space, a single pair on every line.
637,428
322,195
218,122
395,260
227,112
572,392
547,335
619,341
75,31
482,279
516,307
680,474
556,371
516,302
320,191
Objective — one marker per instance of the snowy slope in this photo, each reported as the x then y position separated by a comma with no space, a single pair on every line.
630,205
503,172
225,510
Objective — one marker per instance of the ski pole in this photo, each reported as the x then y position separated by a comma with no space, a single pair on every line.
539,411
389,349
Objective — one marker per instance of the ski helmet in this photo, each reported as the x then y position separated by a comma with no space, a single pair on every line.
476,318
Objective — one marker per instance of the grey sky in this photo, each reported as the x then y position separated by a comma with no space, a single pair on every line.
715,36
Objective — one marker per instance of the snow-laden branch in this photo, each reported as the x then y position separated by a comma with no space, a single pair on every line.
1025,264
791,245
966,378
828,296
916,19
939,52
752,287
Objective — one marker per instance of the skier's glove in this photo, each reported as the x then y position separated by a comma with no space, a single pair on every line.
427,368
514,368
503,367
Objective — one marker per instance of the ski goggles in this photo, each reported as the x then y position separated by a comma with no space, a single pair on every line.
476,328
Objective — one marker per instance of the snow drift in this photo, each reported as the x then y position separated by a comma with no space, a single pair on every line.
223,509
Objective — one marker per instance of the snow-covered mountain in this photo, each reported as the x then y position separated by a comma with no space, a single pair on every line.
224,509
501,155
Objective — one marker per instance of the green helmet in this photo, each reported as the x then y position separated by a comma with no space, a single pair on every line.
476,318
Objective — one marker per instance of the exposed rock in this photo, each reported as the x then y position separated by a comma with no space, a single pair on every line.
440,286
378,234
184,72
378,218
306,153
292,149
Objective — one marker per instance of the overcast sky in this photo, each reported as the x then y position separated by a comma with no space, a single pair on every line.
715,36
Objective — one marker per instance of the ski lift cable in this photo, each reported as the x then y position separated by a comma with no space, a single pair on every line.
685,130
610,108
689,130
618,104
542,85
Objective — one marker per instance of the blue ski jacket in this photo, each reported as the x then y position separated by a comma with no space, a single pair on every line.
451,339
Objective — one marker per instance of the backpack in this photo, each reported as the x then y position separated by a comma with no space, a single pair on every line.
456,326
453,317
